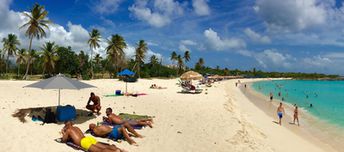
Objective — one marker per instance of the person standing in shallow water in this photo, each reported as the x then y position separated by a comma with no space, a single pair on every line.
271,96
280,113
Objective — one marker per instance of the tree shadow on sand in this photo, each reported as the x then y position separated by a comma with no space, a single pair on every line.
28,113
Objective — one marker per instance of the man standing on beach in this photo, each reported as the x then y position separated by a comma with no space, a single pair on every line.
280,112
95,107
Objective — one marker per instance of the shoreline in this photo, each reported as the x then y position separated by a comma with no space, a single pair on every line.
311,127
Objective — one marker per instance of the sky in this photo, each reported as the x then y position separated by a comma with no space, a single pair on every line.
269,35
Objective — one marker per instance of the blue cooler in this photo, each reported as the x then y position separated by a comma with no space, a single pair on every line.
118,92
65,113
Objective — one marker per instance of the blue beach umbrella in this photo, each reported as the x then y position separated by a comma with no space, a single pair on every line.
126,73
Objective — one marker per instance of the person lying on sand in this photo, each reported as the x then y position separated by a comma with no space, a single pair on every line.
74,134
154,86
114,119
115,133
95,107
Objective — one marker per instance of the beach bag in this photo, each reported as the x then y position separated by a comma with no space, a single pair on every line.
118,92
65,113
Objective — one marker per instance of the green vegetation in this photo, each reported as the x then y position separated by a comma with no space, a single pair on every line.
51,59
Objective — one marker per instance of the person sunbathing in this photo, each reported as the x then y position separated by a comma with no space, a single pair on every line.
114,119
154,86
95,107
115,133
74,134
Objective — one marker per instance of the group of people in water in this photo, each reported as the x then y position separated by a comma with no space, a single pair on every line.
112,127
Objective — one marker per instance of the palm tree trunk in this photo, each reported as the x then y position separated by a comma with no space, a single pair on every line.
18,70
7,62
91,63
28,61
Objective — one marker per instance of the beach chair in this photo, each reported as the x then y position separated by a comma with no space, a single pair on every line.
186,89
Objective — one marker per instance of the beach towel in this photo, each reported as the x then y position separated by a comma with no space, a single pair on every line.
129,117
110,124
113,95
126,116
74,146
71,144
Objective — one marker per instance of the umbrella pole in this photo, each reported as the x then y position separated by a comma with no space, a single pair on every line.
126,87
59,97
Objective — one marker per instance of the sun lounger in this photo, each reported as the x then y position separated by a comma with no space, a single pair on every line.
188,90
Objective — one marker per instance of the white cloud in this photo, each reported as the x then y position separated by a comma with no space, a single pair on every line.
130,53
201,7
317,61
106,6
335,55
221,44
74,35
256,37
184,45
272,58
291,15
158,15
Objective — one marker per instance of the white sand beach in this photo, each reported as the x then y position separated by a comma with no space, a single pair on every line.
220,119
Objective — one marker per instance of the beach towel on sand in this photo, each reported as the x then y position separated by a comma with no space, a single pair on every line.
130,117
71,144
74,146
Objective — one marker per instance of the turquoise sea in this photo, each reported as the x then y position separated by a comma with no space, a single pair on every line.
327,97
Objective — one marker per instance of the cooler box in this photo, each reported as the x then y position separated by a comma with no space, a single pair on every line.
65,113
118,92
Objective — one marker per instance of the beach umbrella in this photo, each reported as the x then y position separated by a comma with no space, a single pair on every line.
126,73
59,82
191,75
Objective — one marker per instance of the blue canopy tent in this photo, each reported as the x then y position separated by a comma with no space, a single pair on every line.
126,73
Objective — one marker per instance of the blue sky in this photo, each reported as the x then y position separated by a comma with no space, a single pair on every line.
271,35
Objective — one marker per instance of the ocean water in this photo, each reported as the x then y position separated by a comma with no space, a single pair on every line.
327,97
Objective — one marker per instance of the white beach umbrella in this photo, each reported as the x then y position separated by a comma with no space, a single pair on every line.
59,82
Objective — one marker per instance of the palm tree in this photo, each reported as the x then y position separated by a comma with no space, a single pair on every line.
115,50
32,55
201,62
153,60
10,47
140,55
173,57
180,64
35,27
21,59
187,56
49,56
1,61
93,42
97,60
